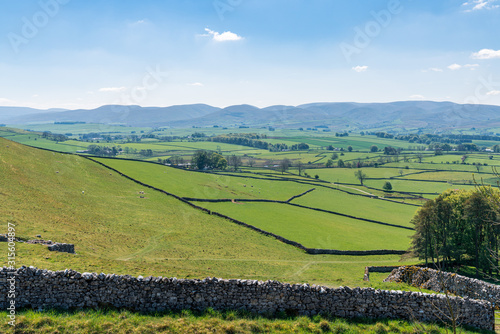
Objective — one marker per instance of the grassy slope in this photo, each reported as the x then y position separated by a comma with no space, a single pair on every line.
115,231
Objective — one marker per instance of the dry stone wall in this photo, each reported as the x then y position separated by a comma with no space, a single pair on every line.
52,246
438,280
67,248
68,289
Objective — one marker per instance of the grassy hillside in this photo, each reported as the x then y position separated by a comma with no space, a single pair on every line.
70,199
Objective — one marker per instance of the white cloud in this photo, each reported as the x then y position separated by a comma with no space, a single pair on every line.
417,97
472,67
197,84
486,54
480,4
6,101
360,68
493,92
435,69
454,67
138,23
224,37
112,89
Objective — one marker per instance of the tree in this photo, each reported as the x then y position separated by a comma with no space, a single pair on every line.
388,150
349,148
284,165
420,156
480,215
387,186
335,156
373,149
201,159
251,161
234,161
329,163
300,167
446,147
401,172
360,175
340,163
217,161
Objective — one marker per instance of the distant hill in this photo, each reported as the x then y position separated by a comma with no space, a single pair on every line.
423,114
129,115
11,112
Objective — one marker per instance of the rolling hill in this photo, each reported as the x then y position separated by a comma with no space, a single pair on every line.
413,114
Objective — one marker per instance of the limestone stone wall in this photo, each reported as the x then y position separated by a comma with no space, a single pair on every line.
43,289
58,247
438,280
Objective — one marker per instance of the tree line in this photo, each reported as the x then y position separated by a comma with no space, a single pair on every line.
253,140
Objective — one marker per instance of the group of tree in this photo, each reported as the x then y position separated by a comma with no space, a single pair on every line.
175,160
442,141
146,153
250,139
299,147
212,160
341,149
54,136
254,140
388,150
103,151
459,226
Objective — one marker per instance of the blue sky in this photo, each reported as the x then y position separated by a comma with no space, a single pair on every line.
83,54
